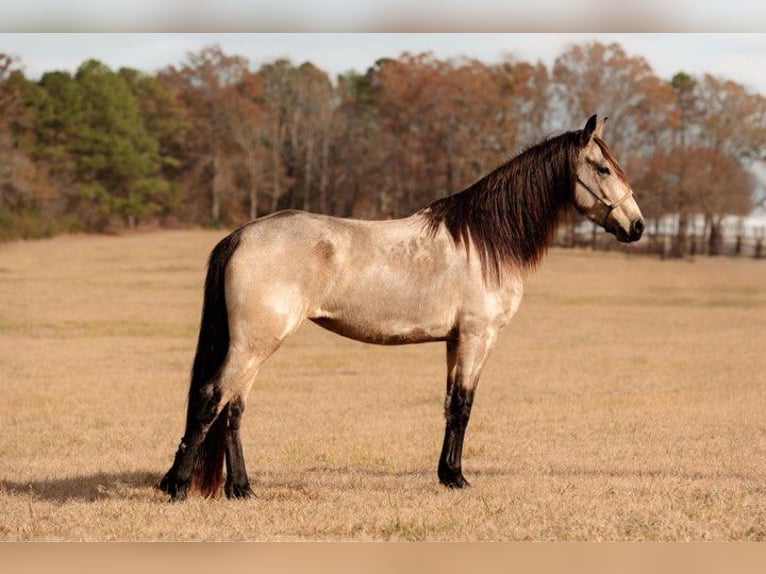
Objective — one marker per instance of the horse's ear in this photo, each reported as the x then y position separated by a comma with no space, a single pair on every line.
600,128
590,127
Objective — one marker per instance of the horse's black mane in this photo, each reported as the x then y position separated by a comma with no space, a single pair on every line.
510,214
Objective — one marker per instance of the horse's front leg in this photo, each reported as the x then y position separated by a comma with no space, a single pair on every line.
465,358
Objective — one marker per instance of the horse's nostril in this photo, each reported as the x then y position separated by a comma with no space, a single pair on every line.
637,229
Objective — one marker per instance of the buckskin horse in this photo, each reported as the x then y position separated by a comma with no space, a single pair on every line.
451,272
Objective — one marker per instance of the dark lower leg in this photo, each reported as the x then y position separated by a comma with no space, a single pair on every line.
198,421
177,480
237,483
458,411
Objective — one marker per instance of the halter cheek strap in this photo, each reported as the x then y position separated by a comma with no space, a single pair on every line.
610,206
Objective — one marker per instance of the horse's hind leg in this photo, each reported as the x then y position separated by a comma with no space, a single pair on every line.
246,357
205,405
212,431
237,378
237,484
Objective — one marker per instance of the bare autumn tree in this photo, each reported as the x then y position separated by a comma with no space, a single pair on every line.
356,148
251,133
445,123
688,113
461,140
700,181
300,104
280,97
207,85
732,118
523,91
400,88
315,110
719,132
733,129
599,78
659,184
721,186
716,132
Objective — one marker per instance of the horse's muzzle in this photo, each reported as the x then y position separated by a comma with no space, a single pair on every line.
629,235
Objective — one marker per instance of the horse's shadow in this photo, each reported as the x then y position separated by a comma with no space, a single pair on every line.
88,488
135,485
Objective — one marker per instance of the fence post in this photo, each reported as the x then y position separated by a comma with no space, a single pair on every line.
740,233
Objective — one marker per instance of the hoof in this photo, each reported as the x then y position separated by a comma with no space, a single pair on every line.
453,480
171,486
164,484
239,491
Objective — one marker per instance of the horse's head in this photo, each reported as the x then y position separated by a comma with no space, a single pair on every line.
602,192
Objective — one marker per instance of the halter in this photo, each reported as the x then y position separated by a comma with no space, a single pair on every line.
609,205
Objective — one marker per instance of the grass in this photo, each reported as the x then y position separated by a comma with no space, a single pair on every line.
624,402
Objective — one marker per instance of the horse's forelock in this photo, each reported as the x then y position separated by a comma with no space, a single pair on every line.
607,152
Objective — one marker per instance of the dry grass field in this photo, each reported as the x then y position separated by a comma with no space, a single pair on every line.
626,401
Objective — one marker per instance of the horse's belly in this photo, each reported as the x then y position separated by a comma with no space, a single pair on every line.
389,335
371,324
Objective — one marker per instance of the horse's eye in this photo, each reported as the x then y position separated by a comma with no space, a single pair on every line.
603,170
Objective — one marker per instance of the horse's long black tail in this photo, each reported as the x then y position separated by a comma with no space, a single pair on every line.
204,392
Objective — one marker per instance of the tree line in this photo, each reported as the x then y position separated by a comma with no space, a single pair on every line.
211,141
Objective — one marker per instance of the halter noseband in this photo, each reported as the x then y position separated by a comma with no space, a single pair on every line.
610,206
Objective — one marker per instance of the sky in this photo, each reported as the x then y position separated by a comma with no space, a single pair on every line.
737,56
384,15
725,38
